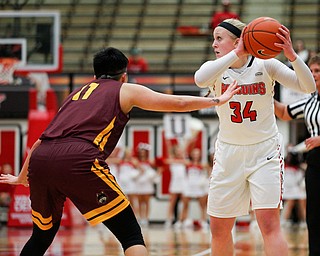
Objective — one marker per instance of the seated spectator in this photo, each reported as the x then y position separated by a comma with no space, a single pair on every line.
219,16
137,64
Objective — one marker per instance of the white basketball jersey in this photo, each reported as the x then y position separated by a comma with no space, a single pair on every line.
248,117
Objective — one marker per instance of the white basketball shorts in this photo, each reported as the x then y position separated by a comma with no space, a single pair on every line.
244,176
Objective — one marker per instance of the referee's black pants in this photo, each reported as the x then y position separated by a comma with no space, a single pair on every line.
313,200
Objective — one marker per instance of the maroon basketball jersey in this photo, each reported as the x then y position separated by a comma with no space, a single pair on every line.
91,113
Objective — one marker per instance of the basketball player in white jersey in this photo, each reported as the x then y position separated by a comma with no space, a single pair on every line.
248,164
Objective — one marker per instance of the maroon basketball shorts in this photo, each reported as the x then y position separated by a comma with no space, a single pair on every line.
75,169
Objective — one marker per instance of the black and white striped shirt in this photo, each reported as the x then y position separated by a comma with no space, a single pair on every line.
309,109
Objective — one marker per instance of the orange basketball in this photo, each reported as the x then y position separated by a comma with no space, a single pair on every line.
259,37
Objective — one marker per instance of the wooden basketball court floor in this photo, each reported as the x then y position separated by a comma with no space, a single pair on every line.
161,241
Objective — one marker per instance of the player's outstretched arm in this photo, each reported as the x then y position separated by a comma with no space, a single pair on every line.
10,179
227,95
134,95
22,178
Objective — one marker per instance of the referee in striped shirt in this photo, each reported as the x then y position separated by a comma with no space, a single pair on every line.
309,109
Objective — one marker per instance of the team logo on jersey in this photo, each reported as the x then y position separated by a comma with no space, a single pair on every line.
258,74
102,198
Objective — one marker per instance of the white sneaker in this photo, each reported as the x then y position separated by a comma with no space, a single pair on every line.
204,224
302,225
178,225
168,224
144,223
286,224
188,223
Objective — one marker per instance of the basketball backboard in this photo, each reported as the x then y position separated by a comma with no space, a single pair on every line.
14,48
33,37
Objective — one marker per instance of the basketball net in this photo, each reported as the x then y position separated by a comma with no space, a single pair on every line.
7,68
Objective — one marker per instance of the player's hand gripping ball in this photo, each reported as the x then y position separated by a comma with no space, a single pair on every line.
259,37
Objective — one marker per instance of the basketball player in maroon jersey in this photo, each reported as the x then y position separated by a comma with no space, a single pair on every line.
68,160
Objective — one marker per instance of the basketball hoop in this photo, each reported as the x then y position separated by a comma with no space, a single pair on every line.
7,68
